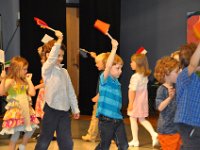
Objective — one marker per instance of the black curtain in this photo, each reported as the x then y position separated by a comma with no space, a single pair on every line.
53,12
92,39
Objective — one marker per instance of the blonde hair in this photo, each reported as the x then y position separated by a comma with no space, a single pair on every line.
100,57
142,66
165,66
16,65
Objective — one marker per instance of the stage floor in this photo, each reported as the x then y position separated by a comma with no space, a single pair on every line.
79,128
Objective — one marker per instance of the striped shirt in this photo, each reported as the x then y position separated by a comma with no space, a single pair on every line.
110,98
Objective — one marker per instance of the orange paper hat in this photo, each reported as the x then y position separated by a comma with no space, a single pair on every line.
141,50
196,28
103,27
42,24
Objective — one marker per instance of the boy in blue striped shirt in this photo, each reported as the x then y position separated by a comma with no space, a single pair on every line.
111,124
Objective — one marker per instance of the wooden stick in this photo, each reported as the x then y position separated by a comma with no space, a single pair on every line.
109,36
51,29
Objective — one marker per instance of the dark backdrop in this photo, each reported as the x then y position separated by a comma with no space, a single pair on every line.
93,40
159,26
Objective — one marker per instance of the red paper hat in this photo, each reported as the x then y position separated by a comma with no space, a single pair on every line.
41,23
196,29
141,50
102,26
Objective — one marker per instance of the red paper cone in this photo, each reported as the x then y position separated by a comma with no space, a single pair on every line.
102,26
196,29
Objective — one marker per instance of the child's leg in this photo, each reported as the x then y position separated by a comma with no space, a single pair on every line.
106,131
49,124
93,128
134,130
26,137
13,140
24,104
120,136
63,131
150,129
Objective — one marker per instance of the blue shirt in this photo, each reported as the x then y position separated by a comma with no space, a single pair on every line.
110,98
59,92
166,117
188,99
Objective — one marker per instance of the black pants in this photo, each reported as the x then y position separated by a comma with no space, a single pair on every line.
112,129
59,121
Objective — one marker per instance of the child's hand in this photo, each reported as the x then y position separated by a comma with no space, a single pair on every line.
28,76
93,55
130,107
171,92
3,74
59,34
76,116
114,43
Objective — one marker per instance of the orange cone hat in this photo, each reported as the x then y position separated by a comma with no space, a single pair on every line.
102,26
196,29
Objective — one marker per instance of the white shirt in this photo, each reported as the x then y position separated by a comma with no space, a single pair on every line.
59,92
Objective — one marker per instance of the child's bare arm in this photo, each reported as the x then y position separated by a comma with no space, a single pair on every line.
194,61
39,86
31,88
95,99
131,97
111,57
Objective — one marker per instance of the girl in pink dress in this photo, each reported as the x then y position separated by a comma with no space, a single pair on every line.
138,98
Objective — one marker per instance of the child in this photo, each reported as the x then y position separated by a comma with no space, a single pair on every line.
166,72
111,124
93,128
19,115
138,98
187,114
59,97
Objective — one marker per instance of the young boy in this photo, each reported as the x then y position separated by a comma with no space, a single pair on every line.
166,72
188,101
111,124
59,97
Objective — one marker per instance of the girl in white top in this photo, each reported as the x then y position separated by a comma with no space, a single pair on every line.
138,98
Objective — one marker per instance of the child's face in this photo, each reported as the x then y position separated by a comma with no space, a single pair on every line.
133,65
116,70
60,56
99,65
171,78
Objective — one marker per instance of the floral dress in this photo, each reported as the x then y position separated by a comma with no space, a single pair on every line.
40,104
18,101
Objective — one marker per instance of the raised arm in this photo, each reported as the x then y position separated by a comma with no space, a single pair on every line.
194,61
111,57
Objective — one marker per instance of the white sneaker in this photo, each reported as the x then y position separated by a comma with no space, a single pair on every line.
155,140
21,147
134,143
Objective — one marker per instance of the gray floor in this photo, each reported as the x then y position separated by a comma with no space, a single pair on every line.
79,128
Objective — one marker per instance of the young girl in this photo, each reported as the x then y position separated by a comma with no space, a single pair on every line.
19,115
138,98
166,72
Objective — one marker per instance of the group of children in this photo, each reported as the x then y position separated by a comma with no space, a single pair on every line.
176,124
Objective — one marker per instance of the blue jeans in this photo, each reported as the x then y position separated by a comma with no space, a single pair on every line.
59,121
111,129
190,136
